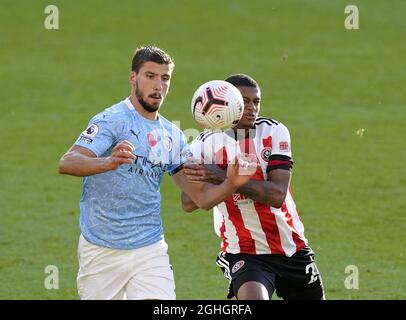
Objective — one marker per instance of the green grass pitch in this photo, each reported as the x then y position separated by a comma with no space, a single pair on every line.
340,92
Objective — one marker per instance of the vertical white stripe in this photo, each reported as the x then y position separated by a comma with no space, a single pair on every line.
251,221
230,232
217,220
285,232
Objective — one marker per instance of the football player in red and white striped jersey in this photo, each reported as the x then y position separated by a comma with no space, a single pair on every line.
263,243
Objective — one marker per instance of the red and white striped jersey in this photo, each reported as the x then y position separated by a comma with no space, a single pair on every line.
247,226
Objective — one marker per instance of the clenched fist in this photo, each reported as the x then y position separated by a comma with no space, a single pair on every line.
122,153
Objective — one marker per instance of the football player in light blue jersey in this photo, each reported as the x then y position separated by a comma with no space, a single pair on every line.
122,156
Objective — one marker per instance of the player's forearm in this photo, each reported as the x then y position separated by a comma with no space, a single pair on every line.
212,195
79,165
265,192
187,204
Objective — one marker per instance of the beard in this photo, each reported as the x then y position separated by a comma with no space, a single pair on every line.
147,107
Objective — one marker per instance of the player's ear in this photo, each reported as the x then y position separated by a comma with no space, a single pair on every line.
132,77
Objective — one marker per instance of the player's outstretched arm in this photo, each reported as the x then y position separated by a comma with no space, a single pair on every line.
206,195
210,173
81,162
271,192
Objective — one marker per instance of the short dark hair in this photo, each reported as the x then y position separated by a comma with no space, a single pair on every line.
242,80
150,53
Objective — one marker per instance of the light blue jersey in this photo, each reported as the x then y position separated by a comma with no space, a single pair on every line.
120,209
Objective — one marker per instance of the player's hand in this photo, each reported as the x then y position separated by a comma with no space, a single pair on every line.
204,172
241,169
122,153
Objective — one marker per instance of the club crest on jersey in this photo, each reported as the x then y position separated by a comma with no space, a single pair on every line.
266,154
168,143
237,266
284,146
91,131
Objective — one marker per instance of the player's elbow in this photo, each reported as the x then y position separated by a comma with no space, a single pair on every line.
277,199
187,203
277,205
199,201
205,205
65,165
62,167
188,207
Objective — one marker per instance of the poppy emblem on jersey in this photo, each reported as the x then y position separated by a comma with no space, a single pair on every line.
151,140
91,131
284,146
266,154
237,266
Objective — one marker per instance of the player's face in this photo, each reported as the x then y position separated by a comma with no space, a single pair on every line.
252,99
151,84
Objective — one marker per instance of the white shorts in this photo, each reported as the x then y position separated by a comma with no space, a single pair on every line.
143,273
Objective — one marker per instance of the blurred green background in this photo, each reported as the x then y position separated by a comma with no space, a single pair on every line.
327,84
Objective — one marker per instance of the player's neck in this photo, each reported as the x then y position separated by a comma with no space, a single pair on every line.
140,109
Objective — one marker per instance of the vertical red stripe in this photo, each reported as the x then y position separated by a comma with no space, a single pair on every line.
245,241
247,146
270,227
266,217
222,230
299,242
220,158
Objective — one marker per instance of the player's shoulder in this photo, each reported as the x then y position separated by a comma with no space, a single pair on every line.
114,113
205,135
169,126
267,124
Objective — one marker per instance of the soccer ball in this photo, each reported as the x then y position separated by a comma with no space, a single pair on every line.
217,105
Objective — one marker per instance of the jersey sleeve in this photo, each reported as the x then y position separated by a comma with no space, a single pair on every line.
202,150
281,155
100,134
180,153
197,150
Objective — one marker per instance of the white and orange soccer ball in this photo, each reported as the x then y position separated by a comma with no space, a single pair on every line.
217,105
